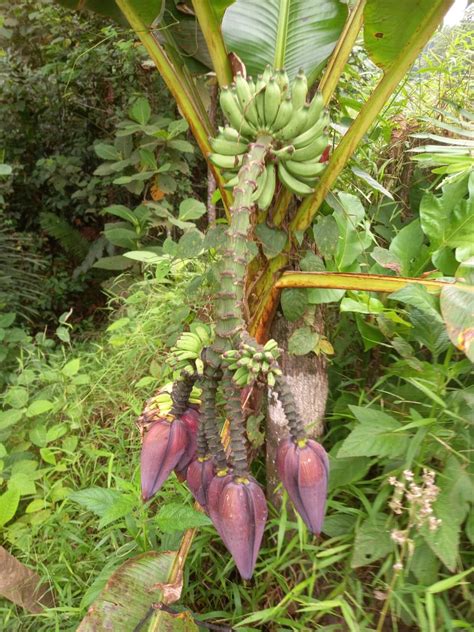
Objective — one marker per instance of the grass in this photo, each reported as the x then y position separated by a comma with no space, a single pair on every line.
300,583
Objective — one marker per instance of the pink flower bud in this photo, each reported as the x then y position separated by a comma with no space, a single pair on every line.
238,510
163,446
199,476
191,422
304,472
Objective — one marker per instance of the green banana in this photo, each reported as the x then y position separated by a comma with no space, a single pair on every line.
312,132
226,162
271,101
305,169
267,192
202,333
291,183
262,178
267,73
283,81
296,124
226,147
284,153
315,108
283,117
246,100
230,184
299,90
229,133
232,111
310,151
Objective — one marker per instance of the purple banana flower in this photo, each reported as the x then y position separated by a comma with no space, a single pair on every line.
238,509
163,446
191,421
199,476
304,472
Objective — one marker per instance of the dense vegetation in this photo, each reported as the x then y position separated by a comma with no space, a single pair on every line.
106,257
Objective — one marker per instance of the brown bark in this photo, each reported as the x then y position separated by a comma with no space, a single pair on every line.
307,376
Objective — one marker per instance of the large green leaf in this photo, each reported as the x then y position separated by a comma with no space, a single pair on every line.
127,601
250,29
390,24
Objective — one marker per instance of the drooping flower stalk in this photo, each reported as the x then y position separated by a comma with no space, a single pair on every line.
180,393
237,426
295,422
209,442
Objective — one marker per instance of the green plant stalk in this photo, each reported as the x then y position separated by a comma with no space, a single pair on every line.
229,300
368,114
176,84
238,454
282,35
352,281
340,54
211,29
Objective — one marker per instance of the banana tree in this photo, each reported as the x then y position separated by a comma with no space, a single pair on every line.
278,63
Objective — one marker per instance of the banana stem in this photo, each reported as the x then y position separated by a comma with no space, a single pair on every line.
208,439
229,303
295,422
237,426
180,393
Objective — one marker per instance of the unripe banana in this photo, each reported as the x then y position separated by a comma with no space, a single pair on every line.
310,151
297,123
283,81
315,108
267,73
299,90
232,111
271,101
232,183
229,133
202,333
226,147
312,132
226,162
266,195
284,153
262,178
252,87
283,117
246,100
291,183
305,169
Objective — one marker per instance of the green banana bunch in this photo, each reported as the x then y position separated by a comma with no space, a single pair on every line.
251,362
160,404
189,346
270,106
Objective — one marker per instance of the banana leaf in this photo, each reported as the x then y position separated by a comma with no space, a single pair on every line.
307,30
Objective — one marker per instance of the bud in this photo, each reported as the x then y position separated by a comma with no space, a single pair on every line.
304,472
191,422
163,446
238,509
199,476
